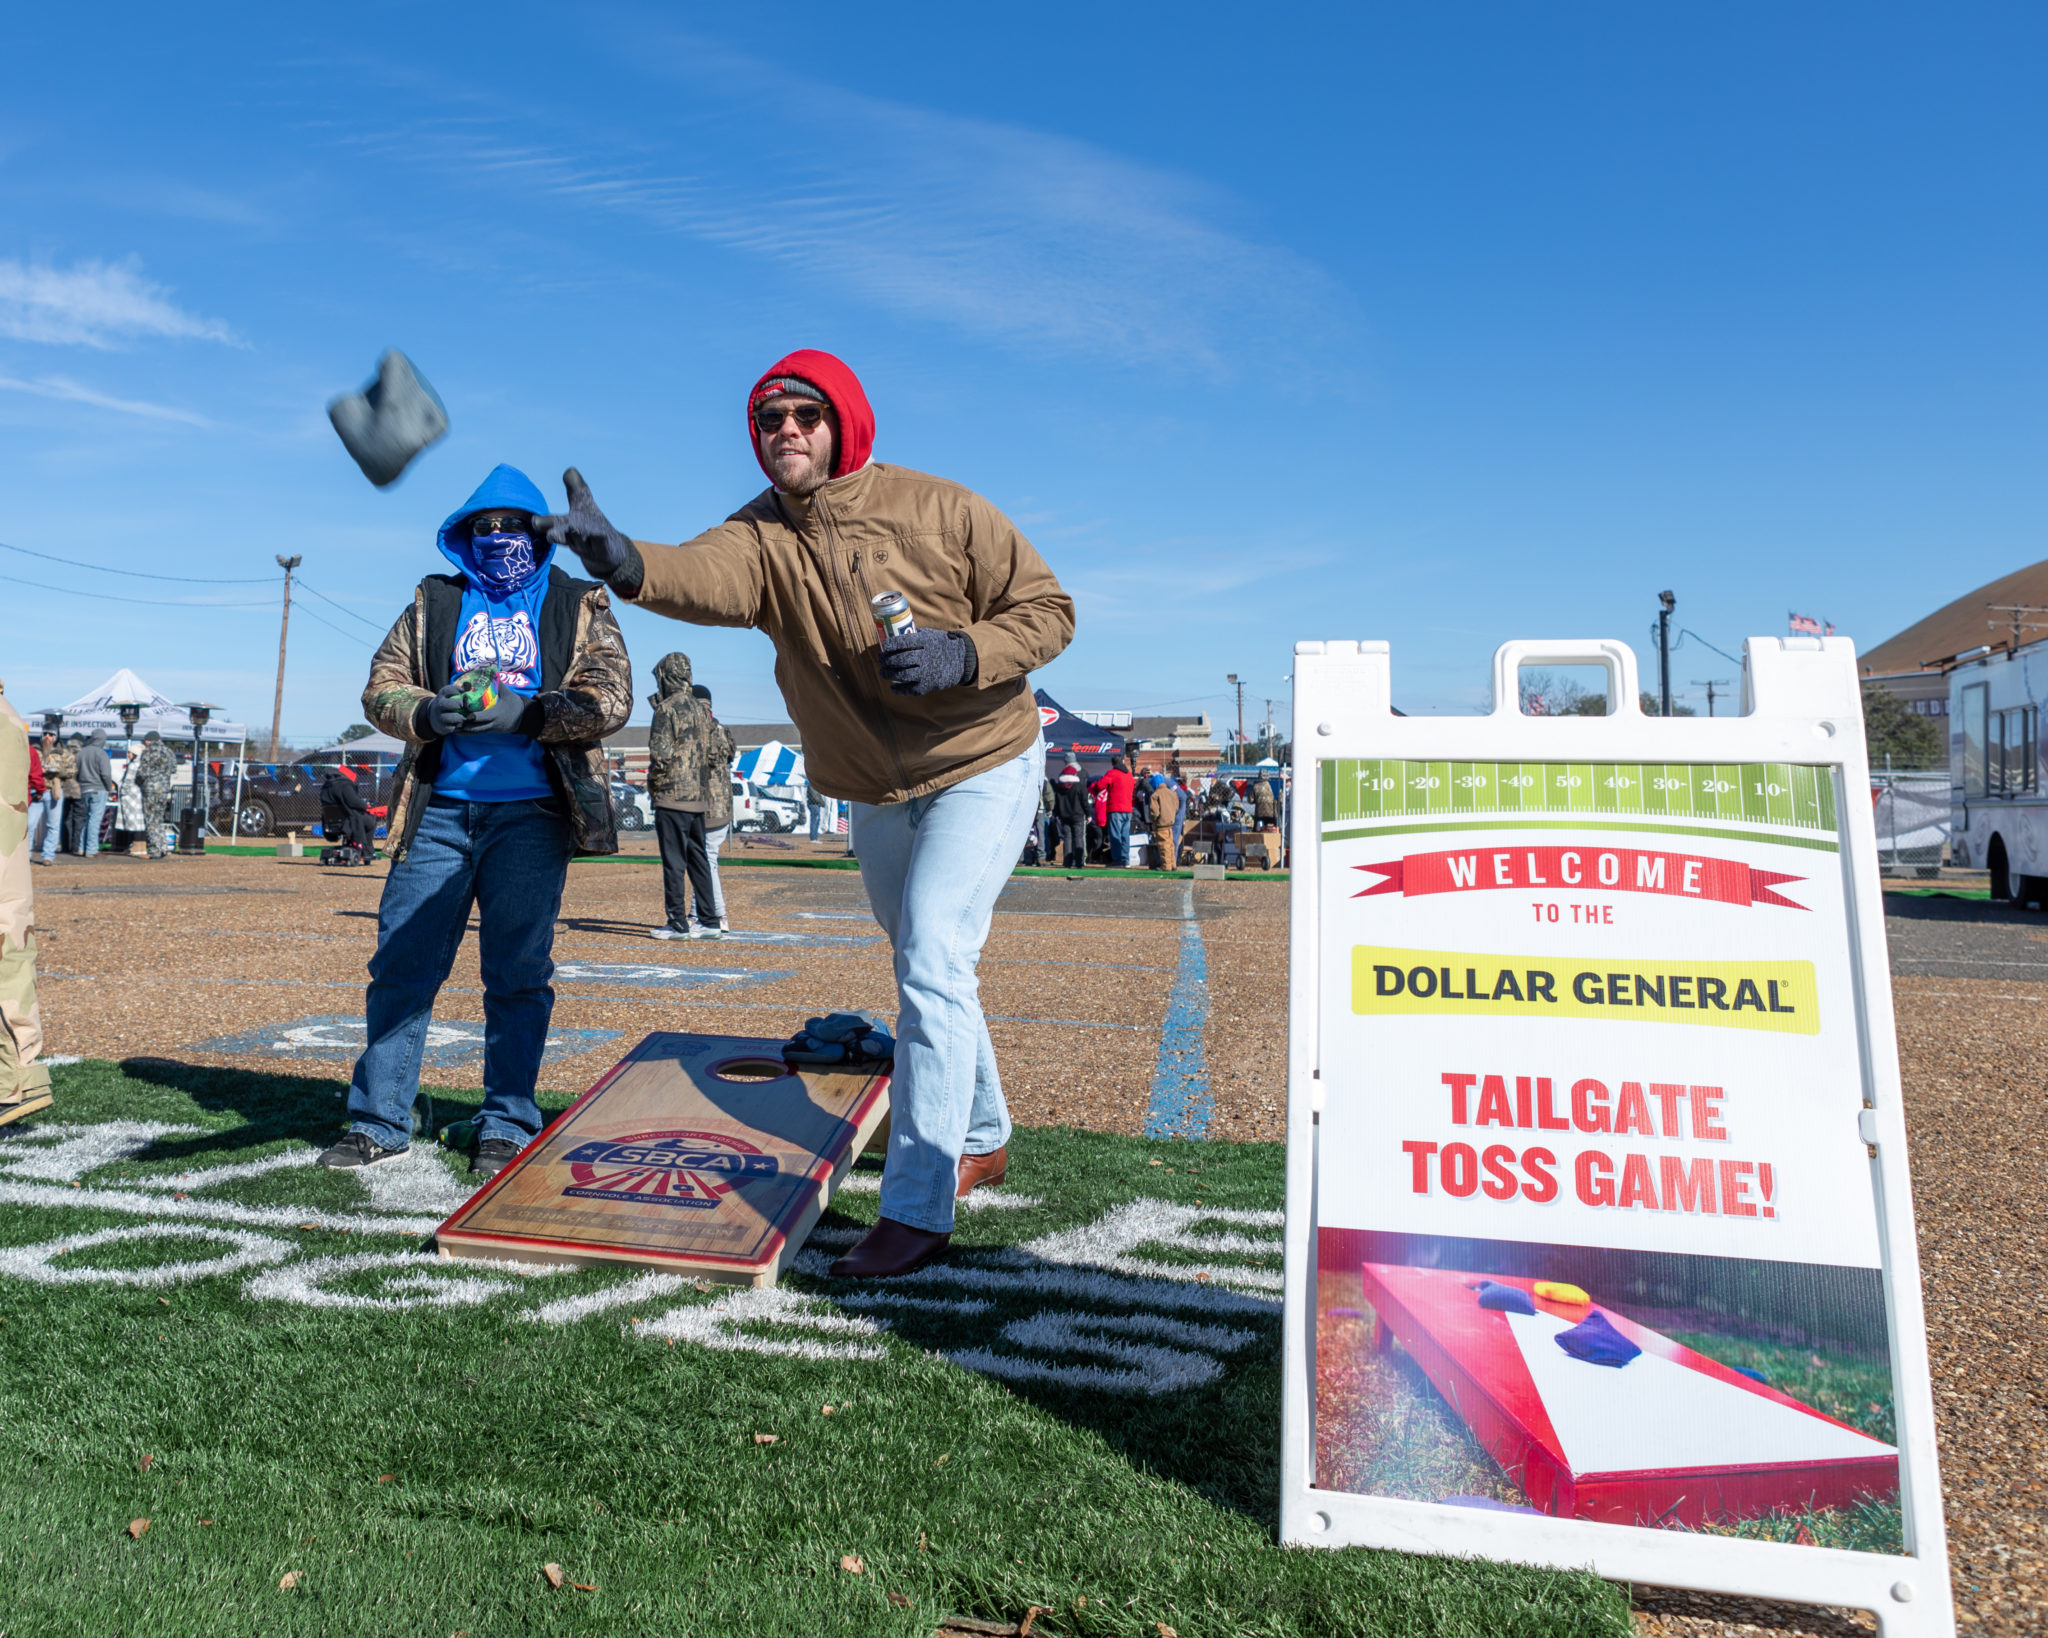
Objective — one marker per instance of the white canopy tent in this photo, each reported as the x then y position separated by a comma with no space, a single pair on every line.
96,711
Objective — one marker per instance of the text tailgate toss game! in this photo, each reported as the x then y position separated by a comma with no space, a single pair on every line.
1600,1247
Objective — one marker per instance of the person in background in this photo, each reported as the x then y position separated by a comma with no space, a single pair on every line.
1098,821
58,763
1183,811
679,743
1165,823
1070,814
74,800
353,825
489,801
153,771
718,801
128,805
814,801
24,1082
96,785
1116,786
1048,826
1265,803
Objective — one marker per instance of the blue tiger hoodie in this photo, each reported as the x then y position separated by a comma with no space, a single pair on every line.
502,632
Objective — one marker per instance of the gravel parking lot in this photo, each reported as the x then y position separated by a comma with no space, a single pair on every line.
242,960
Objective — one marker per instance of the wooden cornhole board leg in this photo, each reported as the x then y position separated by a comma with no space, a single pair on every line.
697,1154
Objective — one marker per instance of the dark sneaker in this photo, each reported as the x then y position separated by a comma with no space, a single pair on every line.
492,1156
358,1149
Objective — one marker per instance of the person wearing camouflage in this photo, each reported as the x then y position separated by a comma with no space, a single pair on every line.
682,741
717,800
153,771
60,771
24,1082
503,679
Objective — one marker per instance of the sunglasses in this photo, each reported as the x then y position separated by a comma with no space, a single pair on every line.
806,416
500,523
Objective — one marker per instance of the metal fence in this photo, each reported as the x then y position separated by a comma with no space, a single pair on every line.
1912,819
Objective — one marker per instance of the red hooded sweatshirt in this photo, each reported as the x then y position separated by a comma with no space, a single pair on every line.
842,391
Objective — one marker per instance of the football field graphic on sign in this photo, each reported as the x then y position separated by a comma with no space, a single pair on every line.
1596,1091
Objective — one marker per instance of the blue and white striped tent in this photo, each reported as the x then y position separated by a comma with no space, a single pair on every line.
771,764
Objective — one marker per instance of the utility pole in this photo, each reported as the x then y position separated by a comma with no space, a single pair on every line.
1232,680
1666,604
1710,684
284,625
2018,625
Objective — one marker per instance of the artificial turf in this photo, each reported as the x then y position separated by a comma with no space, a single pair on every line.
416,1468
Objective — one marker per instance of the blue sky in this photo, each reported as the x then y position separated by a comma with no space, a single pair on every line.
1443,324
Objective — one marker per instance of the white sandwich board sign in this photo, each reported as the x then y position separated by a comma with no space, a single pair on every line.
1599,1238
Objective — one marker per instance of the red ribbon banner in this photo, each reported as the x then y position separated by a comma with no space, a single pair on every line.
1600,870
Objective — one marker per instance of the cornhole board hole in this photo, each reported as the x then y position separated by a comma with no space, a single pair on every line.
697,1154
1672,1437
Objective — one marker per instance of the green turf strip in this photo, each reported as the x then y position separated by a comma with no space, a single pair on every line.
629,1461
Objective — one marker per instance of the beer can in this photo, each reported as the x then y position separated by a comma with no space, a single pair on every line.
892,614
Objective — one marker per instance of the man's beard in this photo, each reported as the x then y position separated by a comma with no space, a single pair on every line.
813,477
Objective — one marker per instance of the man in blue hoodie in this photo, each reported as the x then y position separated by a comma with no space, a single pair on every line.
488,803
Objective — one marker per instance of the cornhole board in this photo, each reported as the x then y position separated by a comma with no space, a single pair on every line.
695,1154
1670,1437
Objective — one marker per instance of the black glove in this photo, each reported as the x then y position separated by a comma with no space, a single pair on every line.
443,713
507,714
589,533
923,662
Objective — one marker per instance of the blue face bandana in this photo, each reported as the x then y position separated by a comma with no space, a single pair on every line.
504,562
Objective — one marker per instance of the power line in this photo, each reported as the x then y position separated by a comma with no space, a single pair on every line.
142,574
351,613
1730,658
339,631
111,597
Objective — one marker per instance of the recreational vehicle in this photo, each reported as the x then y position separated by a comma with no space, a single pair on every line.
1999,811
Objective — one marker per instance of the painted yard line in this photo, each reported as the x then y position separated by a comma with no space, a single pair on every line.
216,1211
1181,1098
1900,963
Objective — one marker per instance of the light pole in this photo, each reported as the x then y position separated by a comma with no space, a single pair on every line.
192,821
1234,683
284,625
1666,604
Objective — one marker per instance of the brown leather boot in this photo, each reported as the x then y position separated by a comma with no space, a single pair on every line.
890,1248
975,1170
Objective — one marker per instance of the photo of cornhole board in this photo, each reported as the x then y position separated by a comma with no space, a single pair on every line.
698,1154
1669,1437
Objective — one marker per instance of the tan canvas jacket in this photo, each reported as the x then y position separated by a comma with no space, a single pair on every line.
803,570
591,697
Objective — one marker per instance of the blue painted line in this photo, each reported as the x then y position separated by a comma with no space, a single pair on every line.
1182,1101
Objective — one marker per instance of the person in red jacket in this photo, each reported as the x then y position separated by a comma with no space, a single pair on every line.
1116,785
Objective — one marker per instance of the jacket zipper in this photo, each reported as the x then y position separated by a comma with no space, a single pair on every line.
871,684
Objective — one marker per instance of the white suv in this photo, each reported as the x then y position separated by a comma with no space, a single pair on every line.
754,809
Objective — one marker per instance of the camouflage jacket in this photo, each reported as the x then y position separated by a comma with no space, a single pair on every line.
586,693
60,771
155,765
718,778
682,743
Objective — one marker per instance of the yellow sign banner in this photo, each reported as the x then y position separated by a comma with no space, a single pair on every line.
1780,996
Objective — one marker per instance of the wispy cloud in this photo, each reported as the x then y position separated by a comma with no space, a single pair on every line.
1006,232
95,304
57,386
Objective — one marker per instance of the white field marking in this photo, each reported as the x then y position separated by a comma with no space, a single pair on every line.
870,1183
1109,1241
59,1059
139,1204
642,1288
207,1176
825,1235
716,1325
418,1280
1012,1274
64,1153
419,1182
244,1251
1137,1367
922,1305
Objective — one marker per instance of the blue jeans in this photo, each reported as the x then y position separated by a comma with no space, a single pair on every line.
49,807
509,859
817,822
95,810
1120,838
932,868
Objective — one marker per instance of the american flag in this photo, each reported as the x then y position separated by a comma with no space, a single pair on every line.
1804,625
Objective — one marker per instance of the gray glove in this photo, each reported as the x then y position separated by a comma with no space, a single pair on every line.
923,662
504,715
587,532
443,713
